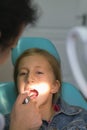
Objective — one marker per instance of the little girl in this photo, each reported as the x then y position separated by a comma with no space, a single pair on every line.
38,73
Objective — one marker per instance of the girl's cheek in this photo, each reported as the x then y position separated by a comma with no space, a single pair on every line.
20,87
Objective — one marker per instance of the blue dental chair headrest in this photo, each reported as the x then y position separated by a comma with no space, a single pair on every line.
33,42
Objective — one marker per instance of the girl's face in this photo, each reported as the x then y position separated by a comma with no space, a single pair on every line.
35,75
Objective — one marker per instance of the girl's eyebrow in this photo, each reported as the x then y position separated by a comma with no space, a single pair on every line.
23,68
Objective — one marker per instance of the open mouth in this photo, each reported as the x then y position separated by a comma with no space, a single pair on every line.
33,94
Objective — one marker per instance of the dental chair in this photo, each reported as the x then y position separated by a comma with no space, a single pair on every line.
33,42
72,95
7,90
7,96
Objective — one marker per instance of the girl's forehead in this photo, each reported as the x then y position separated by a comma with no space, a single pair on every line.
36,60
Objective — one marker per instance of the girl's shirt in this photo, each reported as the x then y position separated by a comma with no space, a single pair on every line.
66,118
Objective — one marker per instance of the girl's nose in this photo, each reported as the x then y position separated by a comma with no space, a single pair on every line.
29,78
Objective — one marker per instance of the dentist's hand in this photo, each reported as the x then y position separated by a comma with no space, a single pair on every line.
25,116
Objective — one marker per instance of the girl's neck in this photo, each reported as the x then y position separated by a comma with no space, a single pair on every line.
47,112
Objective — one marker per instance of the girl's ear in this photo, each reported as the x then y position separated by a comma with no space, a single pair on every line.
56,86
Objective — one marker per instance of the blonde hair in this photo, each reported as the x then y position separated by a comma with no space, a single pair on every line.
56,67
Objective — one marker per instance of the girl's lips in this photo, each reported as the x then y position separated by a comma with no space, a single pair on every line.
34,93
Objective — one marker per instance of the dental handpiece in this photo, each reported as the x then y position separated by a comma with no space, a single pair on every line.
27,99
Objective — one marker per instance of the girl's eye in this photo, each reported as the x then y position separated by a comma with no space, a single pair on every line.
22,73
39,72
